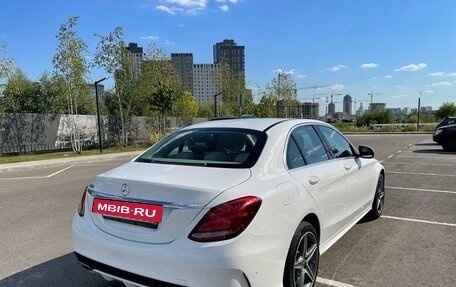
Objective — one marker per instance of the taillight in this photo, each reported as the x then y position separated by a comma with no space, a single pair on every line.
81,207
227,220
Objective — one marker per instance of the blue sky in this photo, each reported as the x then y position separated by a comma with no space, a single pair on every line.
396,49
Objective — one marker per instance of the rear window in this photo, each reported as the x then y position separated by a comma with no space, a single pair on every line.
230,148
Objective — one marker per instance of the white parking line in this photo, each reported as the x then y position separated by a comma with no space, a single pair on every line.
421,189
390,156
420,173
422,164
419,156
57,172
332,282
418,220
37,177
399,151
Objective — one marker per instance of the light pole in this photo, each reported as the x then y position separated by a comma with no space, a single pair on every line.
215,103
98,114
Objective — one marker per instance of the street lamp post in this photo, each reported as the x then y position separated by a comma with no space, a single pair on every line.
100,142
215,103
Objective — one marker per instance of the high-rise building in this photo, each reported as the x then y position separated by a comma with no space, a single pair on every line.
228,51
205,82
331,108
347,109
183,65
137,56
376,106
310,110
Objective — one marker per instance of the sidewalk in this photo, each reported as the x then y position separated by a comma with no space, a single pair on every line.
7,167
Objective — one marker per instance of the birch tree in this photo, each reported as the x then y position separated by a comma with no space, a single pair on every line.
70,66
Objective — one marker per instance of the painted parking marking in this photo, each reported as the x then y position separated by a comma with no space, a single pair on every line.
390,156
55,173
420,164
399,151
418,156
60,171
418,220
421,173
331,282
421,189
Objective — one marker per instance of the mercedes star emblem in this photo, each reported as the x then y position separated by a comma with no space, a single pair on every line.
125,189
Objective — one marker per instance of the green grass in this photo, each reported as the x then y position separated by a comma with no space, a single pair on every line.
67,154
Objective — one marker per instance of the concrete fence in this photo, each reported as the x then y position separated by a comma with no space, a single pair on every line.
24,133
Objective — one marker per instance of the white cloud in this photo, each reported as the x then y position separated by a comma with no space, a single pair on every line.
368,66
281,71
440,84
224,8
188,3
191,7
399,96
411,67
300,76
150,37
338,68
234,1
337,87
163,8
388,76
429,91
181,25
442,74
168,42
88,57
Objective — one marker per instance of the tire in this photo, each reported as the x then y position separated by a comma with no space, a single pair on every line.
449,144
379,199
301,265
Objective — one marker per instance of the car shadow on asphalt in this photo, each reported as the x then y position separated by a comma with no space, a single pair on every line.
432,151
426,144
61,271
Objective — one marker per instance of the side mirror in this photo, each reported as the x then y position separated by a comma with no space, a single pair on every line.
365,152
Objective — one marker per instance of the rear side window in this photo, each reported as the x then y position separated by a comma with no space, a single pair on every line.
338,145
305,147
310,144
232,148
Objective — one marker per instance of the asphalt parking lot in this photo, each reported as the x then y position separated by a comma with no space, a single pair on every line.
412,244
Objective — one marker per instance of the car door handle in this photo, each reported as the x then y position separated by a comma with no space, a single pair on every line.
313,180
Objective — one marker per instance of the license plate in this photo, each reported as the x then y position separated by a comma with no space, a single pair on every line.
128,210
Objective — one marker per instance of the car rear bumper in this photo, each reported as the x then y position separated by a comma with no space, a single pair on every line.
243,261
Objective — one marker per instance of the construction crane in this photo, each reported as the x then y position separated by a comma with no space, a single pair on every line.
314,87
372,94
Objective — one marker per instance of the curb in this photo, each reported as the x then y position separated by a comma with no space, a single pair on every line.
27,165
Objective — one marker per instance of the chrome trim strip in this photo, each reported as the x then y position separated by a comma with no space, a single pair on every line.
156,202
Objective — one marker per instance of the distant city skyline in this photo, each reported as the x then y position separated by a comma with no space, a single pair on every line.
397,49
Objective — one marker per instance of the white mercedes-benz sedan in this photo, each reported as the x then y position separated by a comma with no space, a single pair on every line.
241,202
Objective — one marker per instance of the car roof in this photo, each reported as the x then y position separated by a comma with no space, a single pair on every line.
259,124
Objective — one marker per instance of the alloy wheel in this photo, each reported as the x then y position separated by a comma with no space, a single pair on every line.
306,261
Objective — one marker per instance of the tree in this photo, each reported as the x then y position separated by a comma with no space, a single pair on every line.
17,94
187,107
157,72
375,117
6,67
70,66
112,56
162,100
446,110
232,86
267,108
